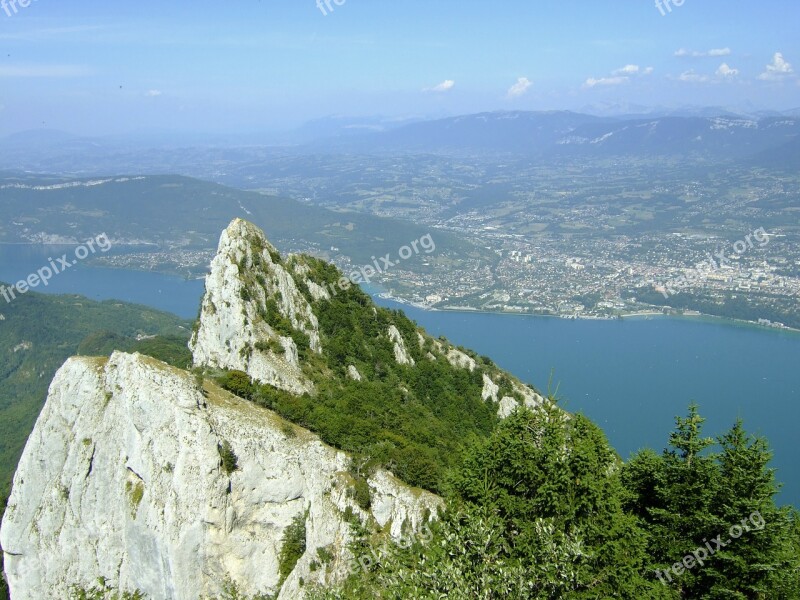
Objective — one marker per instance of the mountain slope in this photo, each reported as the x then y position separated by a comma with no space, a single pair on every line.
322,354
124,478
155,479
567,134
172,212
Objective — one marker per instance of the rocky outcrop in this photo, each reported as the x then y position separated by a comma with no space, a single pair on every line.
252,311
401,354
254,315
490,388
353,373
122,478
145,476
458,359
523,395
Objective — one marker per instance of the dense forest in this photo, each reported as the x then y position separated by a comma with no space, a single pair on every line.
750,307
544,509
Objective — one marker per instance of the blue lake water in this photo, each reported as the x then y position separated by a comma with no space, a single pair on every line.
172,294
632,377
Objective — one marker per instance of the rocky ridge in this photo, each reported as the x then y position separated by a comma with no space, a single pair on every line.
124,476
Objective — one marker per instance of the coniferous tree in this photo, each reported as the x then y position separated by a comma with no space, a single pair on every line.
759,557
716,506
554,482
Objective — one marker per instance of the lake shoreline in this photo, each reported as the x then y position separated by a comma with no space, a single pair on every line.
639,315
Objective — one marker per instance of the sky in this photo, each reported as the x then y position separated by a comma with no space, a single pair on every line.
97,67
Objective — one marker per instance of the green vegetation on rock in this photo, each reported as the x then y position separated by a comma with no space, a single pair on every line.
293,545
228,458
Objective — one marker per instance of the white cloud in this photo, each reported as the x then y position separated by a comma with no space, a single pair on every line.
778,69
153,93
445,86
725,71
44,71
719,52
519,88
626,70
619,76
684,53
605,81
691,77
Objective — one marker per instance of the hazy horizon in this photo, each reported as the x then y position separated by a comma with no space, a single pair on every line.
96,69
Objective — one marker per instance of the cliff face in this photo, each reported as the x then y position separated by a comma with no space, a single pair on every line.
122,479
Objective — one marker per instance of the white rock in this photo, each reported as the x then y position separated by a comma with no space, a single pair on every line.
353,373
231,323
506,407
401,354
458,359
114,429
490,389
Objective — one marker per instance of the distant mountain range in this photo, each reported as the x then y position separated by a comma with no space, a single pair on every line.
569,134
708,134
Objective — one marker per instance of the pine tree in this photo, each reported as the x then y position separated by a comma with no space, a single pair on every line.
675,498
759,560
554,481
689,497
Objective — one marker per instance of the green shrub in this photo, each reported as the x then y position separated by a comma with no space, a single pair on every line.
293,545
325,555
228,458
135,495
361,493
271,345
237,383
102,591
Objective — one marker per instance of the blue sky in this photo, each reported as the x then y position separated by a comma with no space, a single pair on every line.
97,67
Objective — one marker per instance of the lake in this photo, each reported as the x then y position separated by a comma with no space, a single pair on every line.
632,376
172,294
